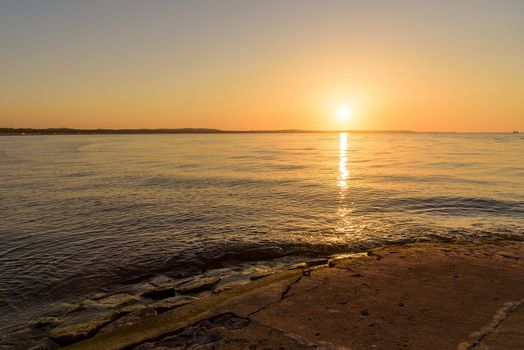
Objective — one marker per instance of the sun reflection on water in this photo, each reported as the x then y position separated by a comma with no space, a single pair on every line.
342,163
342,183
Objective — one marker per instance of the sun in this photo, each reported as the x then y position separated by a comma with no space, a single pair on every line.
344,113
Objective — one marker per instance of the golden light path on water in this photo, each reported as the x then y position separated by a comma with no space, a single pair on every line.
342,183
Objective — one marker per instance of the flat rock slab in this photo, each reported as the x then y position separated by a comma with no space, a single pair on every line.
317,262
111,301
171,303
420,296
127,309
229,285
81,325
198,285
182,317
226,332
424,296
132,318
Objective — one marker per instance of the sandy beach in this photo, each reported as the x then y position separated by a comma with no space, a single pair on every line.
420,296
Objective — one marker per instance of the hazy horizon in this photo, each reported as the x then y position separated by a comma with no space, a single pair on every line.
447,66
215,130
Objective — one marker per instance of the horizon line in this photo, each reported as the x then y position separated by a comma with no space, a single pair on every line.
75,131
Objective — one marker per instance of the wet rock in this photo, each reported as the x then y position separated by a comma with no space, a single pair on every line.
198,285
337,258
204,294
171,303
44,322
316,262
161,280
298,266
140,288
159,283
127,309
127,320
260,275
81,325
230,285
160,292
110,302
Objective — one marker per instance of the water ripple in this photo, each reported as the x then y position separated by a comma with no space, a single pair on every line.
88,213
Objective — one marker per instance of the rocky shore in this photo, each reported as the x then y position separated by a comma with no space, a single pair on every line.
419,296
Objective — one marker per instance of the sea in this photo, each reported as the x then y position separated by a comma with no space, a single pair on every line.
86,213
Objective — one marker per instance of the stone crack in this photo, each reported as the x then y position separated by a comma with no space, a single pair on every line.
284,293
501,314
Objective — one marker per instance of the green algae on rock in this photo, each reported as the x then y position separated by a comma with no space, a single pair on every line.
127,320
81,325
111,301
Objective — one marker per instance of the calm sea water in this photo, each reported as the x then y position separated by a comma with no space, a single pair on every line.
81,213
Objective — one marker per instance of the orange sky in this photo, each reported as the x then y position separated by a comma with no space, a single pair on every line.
236,65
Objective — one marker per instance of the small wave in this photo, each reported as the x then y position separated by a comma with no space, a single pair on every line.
459,206
431,179
79,174
196,182
287,167
187,166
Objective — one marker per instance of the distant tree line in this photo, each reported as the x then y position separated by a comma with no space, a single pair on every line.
69,131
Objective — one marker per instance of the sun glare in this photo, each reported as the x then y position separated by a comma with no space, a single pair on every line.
344,113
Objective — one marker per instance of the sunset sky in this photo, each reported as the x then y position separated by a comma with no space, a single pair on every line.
237,65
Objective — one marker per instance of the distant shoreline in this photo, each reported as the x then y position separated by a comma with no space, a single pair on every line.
69,131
